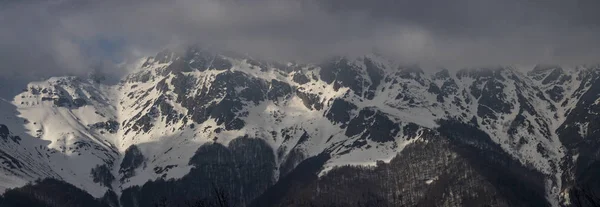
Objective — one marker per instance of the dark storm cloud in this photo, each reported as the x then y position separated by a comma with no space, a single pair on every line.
68,36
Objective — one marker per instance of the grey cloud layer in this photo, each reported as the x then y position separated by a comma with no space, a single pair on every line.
44,36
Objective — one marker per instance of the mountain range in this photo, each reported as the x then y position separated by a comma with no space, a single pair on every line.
347,131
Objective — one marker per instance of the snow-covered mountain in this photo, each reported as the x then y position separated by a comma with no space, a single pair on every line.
160,122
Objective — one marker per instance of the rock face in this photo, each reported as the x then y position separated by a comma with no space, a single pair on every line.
348,131
132,160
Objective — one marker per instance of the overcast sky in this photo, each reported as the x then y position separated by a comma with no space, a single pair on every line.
57,37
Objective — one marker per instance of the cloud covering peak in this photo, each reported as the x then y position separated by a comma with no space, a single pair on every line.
42,37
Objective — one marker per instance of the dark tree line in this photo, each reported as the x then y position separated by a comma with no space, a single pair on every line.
243,169
220,199
48,193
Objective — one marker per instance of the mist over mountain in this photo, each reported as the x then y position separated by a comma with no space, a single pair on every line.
57,38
